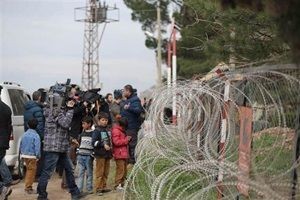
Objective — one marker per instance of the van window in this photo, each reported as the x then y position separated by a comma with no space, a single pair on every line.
17,99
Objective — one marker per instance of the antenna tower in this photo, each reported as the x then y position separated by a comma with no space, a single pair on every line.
95,14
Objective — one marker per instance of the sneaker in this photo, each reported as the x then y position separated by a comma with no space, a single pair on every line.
119,188
63,186
106,190
6,191
41,198
14,182
99,193
30,191
90,191
129,167
83,194
79,196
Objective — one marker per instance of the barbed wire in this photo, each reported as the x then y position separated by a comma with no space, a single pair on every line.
183,161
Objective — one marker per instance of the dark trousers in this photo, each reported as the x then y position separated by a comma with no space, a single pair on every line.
5,172
1,183
132,144
73,158
40,163
50,162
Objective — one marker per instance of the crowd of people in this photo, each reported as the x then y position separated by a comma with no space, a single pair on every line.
75,135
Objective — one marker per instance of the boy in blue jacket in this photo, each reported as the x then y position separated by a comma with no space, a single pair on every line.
30,153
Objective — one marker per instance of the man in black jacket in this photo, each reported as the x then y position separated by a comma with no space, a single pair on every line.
76,126
5,132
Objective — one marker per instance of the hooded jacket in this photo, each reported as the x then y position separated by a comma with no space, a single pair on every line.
133,112
34,110
76,127
120,143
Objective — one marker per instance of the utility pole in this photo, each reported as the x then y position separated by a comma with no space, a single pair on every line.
158,54
174,70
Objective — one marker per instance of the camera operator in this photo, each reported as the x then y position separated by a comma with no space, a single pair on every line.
56,146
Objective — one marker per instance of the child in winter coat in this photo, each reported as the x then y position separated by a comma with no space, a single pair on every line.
120,151
85,155
30,152
102,150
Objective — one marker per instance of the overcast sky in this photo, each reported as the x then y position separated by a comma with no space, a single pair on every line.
41,44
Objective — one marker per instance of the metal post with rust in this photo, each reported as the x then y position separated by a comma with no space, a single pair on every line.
223,136
296,153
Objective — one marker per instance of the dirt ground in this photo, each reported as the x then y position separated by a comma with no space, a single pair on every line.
56,193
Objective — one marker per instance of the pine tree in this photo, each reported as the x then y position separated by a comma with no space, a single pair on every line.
211,34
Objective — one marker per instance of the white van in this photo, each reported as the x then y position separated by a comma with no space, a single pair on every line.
15,97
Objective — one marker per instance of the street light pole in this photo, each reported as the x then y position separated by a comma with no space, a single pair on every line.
159,60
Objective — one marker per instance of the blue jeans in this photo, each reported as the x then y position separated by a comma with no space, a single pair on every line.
85,164
50,162
5,173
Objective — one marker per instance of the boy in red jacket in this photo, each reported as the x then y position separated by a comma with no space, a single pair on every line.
120,151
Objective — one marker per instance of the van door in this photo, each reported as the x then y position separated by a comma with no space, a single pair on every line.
18,99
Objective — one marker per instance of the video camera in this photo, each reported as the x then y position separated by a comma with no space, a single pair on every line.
91,96
44,95
59,94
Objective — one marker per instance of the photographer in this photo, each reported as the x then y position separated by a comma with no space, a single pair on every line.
75,128
79,113
56,146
